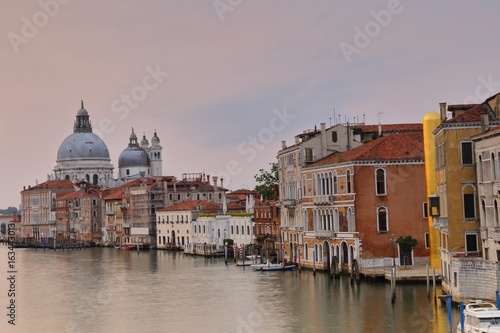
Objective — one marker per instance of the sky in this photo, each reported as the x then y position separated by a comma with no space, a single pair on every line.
224,82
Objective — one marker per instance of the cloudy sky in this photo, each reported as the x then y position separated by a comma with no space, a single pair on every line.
224,82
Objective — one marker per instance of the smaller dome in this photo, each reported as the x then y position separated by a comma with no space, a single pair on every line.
155,140
82,111
144,142
133,136
134,156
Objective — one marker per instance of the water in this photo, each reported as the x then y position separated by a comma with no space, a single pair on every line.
108,290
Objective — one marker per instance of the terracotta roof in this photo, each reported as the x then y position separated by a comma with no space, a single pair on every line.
389,128
397,146
52,184
72,195
115,196
471,114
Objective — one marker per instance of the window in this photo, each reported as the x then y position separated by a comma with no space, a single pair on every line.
335,184
380,181
348,175
128,172
480,169
237,230
496,213
471,243
426,240
248,230
466,152
493,167
382,220
334,136
95,179
306,250
232,230
469,206
425,209
308,155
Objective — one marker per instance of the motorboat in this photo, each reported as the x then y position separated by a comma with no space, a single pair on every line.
480,317
272,267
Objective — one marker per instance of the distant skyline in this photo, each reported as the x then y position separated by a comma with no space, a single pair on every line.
224,82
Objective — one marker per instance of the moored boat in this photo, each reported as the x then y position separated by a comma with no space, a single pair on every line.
480,317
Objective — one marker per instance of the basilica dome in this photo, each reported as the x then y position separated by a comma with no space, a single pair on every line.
133,155
82,143
83,155
82,146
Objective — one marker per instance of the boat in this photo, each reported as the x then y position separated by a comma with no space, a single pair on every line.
480,317
250,261
272,267
127,248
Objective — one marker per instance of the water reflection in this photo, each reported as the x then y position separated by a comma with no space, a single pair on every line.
108,290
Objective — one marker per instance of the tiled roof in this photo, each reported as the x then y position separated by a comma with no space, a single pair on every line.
72,195
390,128
114,196
397,146
52,184
471,114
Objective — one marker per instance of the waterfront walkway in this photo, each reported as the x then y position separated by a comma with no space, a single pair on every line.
415,273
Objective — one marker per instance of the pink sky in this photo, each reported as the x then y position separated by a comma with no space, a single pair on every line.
231,70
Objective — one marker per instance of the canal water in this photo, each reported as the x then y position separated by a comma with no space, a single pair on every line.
109,290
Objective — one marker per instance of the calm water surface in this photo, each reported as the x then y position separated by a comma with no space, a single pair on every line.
108,290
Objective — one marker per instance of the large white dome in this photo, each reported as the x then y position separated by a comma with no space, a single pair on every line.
82,145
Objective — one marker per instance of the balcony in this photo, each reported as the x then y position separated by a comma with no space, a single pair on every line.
440,223
289,203
324,234
125,224
496,236
110,212
323,200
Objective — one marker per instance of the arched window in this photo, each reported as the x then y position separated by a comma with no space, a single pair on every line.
348,176
480,169
306,252
493,167
95,179
335,184
496,214
382,222
380,181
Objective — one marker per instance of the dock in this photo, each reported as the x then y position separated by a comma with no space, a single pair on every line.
414,273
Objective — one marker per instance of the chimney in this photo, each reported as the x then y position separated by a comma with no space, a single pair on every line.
222,182
297,140
323,139
442,111
175,184
283,144
379,129
208,179
485,121
214,178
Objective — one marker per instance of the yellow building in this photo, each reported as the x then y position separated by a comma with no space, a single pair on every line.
455,212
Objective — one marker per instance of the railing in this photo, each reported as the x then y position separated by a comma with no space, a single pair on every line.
126,224
323,233
496,236
289,203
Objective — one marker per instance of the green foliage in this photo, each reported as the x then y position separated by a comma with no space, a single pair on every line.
266,180
8,211
406,244
241,214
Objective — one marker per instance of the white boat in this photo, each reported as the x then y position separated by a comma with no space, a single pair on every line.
480,317
272,267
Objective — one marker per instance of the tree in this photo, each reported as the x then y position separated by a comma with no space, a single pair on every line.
266,180
406,244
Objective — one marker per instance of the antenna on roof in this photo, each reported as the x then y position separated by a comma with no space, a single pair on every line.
333,115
